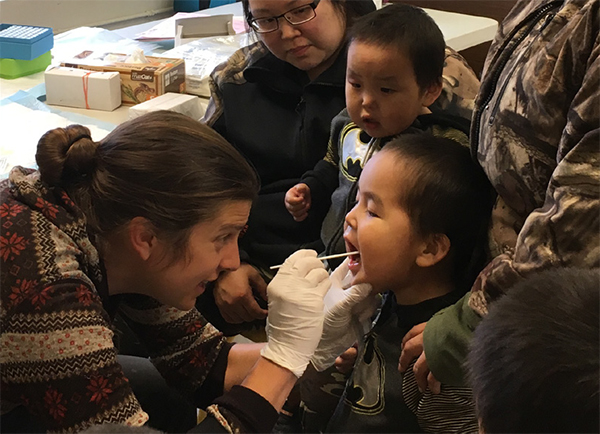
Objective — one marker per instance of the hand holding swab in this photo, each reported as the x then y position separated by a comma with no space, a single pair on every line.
323,258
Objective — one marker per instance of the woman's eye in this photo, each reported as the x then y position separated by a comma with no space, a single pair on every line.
265,21
301,11
225,238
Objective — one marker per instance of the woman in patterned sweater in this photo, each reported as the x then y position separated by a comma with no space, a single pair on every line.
138,222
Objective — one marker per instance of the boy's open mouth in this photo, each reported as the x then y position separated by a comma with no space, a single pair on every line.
354,259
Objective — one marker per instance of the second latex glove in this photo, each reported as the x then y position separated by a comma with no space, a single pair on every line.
295,319
346,311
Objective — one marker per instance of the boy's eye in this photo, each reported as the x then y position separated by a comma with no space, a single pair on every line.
354,85
387,90
372,213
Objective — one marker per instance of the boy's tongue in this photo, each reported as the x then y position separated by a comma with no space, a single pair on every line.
354,262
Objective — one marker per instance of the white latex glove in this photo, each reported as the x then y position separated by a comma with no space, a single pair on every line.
347,315
295,319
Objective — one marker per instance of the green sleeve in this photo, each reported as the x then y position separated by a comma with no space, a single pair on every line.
446,341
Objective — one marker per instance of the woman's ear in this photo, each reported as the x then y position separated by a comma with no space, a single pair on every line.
435,248
432,92
142,237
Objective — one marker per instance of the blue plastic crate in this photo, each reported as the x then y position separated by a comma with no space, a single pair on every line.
24,42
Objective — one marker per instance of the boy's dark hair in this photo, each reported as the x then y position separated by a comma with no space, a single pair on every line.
447,193
409,30
533,363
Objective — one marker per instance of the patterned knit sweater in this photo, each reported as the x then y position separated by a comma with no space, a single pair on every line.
57,357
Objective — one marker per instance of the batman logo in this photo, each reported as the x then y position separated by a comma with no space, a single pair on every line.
366,392
355,145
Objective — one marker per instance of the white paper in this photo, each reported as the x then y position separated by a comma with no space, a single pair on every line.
18,143
202,56
165,30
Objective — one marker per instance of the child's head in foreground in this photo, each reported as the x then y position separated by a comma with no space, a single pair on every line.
394,72
420,219
534,358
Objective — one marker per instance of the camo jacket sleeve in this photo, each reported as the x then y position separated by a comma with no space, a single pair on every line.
536,133
230,71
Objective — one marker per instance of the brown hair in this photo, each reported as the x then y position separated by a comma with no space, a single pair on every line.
163,166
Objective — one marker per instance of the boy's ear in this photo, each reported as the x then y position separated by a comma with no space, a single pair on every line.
435,248
141,237
432,92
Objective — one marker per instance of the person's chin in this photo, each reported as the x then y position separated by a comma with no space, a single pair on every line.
185,302
371,128
304,63
358,277
186,305
374,130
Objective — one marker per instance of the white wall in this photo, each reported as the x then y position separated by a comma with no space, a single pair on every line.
63,15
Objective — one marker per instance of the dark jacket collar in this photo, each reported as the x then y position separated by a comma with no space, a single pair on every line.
335,75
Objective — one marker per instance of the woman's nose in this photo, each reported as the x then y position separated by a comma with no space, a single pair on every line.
287,30
231,257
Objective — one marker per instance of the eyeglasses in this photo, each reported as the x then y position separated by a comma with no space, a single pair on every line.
295,17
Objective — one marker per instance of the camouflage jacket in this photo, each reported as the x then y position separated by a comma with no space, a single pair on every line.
536,133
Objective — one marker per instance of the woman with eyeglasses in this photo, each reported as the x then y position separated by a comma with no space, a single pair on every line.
274,101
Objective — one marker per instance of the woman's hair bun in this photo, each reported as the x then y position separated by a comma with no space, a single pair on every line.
66,155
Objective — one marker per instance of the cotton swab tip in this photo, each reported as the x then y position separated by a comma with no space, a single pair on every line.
322,258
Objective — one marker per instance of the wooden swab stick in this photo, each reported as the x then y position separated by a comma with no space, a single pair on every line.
339,255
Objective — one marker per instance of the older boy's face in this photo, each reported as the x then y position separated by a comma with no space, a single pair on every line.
380,229
382,94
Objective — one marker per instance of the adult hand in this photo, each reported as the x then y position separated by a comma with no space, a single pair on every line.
234,294
345,312
412,348
297,201
295,320
345,362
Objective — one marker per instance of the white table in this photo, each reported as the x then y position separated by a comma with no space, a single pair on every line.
460,31
464,31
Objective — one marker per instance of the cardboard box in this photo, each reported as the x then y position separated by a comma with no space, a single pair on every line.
189,105
139,81
83,89
191,28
